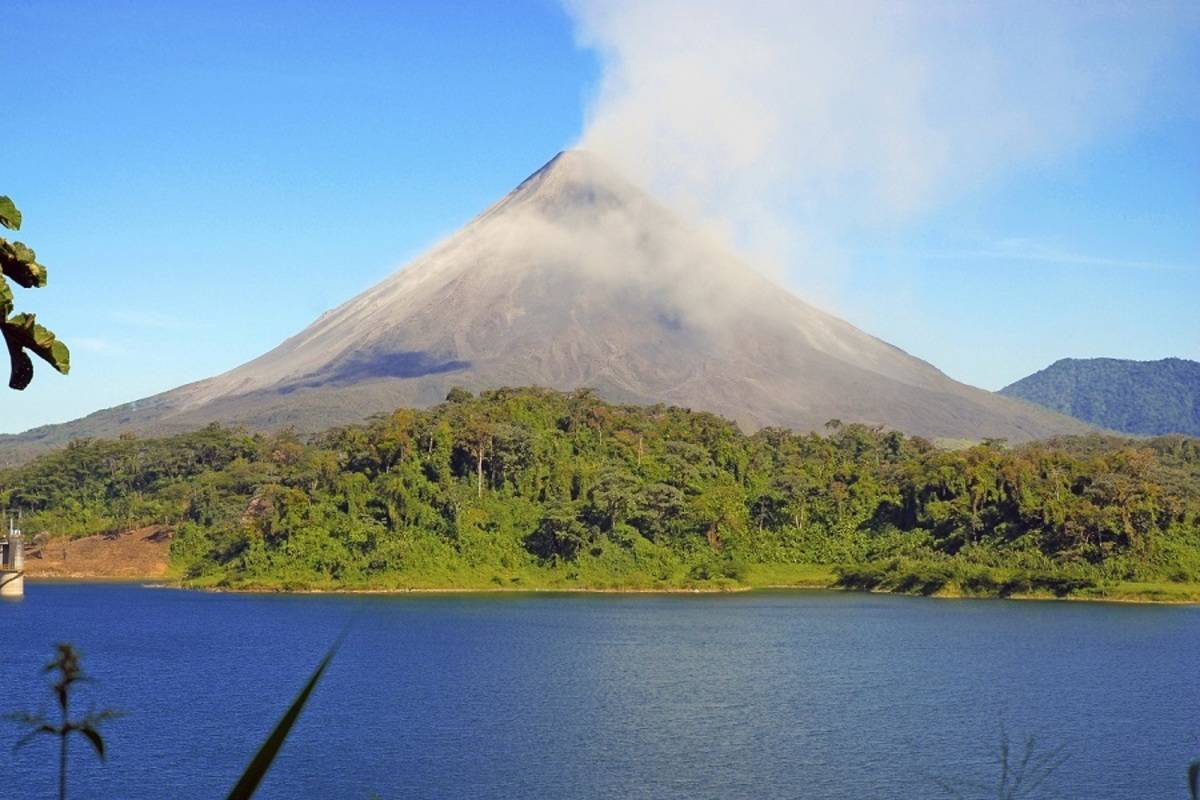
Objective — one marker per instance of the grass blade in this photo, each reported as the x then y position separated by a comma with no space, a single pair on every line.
257,769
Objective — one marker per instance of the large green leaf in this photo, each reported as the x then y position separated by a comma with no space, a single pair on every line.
24,331
22,367
19,262
257,769
6,299
10,217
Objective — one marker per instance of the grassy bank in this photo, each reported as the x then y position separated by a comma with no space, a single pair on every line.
947,578
892,578
754,577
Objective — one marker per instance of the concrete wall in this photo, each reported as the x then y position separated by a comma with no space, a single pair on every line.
12,584
12,567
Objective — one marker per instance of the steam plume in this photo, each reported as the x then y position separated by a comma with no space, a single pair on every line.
786,124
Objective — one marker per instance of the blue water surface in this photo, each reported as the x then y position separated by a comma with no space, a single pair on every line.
777,694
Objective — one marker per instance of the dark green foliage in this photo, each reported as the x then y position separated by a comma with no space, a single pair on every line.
1142,397
18,263
863,579
937,573
519,487
1058,585
559,534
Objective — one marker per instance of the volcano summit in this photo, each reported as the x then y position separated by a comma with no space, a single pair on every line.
577,278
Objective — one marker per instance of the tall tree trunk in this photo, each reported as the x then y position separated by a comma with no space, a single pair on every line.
714,537
479,473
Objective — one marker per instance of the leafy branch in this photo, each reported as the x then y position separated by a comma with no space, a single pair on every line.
18,263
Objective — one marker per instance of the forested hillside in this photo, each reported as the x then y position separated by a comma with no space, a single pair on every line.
535,488
1143,397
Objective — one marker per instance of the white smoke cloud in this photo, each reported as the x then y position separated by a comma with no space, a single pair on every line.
786,123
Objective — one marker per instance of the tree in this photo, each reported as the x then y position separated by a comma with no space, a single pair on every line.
612,498
70,672
18,263
718,511
457,395
657,507
476,433
559,534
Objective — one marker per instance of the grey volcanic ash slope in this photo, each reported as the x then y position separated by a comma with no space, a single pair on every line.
575,279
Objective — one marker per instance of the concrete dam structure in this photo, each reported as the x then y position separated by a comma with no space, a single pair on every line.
12,563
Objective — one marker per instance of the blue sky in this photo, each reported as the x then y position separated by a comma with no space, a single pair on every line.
204,179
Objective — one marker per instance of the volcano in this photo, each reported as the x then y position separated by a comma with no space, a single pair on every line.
577,278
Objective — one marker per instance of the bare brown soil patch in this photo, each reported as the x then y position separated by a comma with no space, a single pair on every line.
140,553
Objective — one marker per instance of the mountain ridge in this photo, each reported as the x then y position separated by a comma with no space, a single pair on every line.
1141,397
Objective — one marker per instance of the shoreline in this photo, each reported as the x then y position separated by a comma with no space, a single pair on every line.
157,582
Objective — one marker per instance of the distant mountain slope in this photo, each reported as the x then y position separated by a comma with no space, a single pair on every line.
577,278
1145,397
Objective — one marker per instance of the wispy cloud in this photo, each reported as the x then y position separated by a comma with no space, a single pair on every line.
94,344
1031,251
1027,250
155,320
789,123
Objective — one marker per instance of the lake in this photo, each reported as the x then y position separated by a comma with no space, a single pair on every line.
765,694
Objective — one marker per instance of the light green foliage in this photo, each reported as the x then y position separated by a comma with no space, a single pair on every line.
534,488
18,263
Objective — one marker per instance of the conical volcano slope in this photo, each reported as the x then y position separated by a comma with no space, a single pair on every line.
578,279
